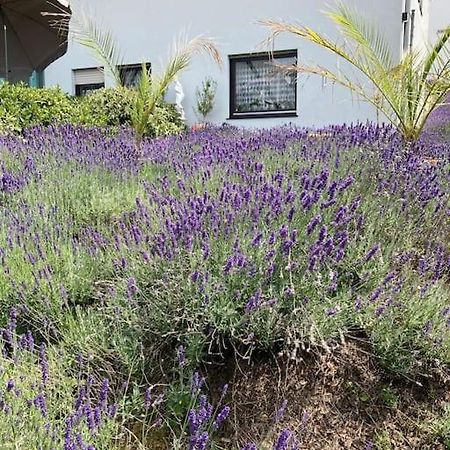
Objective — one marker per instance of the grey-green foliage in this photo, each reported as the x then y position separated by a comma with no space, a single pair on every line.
206,95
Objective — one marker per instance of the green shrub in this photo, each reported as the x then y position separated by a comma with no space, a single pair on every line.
206,95
164,121
22,107
108,106
113,107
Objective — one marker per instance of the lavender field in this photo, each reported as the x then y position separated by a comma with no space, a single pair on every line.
225,289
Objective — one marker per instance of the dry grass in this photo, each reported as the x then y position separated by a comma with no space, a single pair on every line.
349,398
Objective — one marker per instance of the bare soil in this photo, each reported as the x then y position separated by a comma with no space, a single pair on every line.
347,399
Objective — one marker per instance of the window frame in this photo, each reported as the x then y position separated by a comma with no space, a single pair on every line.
79,86
244,57
91,88
123,67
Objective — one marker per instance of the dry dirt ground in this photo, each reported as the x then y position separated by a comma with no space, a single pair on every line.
340,400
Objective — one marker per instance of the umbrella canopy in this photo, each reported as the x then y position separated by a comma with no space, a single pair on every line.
28,40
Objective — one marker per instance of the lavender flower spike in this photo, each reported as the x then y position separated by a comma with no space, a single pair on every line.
221,417
283,440
250,446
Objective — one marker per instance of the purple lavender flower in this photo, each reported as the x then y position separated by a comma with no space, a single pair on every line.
375,294
281,411
10,385
131,288
202,441
90,418
223,393
253,303
250,446
221,417
195,276
103,396
282,442
371,253
148,398
358,304
427,327
305,418
181,356
316,220
112,411
196,383
69,443
41,404
43,363
193,422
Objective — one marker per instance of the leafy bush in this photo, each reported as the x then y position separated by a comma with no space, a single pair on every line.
165,121
22,107
108,106
113,107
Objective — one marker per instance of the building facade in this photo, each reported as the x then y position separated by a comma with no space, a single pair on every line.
249,91
439,18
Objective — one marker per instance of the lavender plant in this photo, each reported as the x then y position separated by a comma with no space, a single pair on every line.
223,238
38,408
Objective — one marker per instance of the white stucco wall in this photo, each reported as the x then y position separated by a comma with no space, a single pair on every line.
421,23
145,29
439,17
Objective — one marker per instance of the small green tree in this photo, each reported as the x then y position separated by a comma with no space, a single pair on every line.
406,93
206,95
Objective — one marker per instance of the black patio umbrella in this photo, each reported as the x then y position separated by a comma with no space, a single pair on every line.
30,39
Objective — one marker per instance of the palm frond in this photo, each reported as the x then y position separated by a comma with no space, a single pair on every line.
406,92
143,106
151,90
370,42
181,55
379,79
434,54
102,44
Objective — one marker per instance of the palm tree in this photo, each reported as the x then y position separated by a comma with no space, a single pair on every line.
406,93
151,89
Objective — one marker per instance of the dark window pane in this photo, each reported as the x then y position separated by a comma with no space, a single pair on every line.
130,74
259,86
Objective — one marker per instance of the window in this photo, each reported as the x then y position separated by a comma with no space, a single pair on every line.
87,80
130,73
259,89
